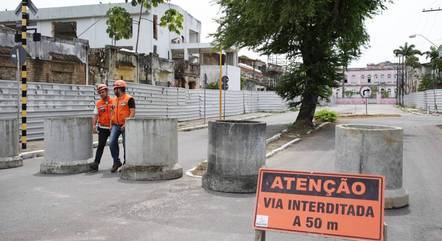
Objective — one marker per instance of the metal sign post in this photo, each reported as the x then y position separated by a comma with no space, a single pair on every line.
220,84
365,92
205,87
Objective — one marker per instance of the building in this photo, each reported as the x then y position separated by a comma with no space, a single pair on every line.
208,58
259,75
89,22
48,60
112,63
151,64
381,78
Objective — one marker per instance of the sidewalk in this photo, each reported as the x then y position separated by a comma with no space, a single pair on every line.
38,145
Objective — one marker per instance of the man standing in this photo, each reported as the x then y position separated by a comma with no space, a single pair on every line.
123,107
101,122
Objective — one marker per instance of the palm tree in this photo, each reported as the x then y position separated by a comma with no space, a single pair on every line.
435,62
411,60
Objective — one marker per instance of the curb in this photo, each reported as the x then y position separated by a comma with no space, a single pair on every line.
288,144
269,140
192,128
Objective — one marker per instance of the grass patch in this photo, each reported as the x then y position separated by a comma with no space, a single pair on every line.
326,115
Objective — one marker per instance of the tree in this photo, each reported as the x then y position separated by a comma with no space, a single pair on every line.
120,22
409,52
325,34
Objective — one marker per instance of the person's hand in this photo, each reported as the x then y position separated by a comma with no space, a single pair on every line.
123,126
94,130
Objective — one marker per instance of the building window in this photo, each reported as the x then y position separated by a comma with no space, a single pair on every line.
362,76
345,80
375,76
369,78
389,76
353,76
382,76
64,30
155,48
155,27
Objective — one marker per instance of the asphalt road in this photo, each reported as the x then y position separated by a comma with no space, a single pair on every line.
101,207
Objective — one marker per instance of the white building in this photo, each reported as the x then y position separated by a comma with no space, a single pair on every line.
89,22
380,76
209,62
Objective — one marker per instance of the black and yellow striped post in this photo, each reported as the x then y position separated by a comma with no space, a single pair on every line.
24,74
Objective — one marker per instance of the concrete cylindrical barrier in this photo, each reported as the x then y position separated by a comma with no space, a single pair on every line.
68,145
373,149
151,150
9,144
236,152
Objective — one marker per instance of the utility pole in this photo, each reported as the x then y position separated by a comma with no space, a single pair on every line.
24,74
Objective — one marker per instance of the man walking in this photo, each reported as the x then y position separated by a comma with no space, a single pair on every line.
123,107
101,122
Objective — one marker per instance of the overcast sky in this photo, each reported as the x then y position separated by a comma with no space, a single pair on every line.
387,31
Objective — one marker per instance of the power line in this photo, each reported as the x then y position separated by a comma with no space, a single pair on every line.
432,10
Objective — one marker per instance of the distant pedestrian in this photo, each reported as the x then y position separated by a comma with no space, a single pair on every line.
123,107
101,122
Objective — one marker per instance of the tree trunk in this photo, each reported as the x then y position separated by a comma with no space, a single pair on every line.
307,111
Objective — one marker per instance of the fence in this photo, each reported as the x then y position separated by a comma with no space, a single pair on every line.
52,100
430,100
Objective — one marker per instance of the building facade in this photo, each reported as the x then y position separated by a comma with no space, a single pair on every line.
381,78
48,60
89,22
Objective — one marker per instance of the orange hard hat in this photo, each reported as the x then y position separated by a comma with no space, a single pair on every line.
120,84
101,87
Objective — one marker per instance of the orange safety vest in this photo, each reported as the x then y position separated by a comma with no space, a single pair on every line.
120,109
104,111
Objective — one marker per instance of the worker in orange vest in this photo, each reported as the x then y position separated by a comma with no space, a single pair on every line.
123,107
101,122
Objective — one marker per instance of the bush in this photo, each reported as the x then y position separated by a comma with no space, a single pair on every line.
326,115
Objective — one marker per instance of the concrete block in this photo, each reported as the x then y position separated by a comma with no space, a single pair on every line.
68,145
236,152
373,149
151,150
9,144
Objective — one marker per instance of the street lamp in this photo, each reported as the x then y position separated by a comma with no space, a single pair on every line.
420,35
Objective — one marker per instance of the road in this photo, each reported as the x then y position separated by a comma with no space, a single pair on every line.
102,207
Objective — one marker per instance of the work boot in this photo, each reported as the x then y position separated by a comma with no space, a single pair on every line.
116,166
94,167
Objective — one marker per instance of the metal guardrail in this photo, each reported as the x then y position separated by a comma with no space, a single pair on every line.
52,100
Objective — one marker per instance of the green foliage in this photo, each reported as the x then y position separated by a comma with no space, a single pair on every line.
385,94
326,115
315,31
409,52
426,83
213,85
348,93
435,59
173,20
119,23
